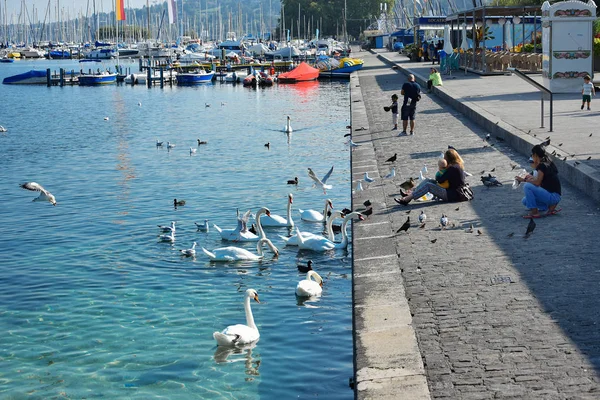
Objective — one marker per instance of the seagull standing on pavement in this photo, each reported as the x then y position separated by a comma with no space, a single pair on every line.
368,178
391,174
422,217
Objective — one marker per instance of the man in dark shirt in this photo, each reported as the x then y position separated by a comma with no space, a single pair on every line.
412,94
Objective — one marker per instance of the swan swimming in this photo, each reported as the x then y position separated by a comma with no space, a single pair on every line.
315,216
288,126
241,233
293,240
189,252
236,335
232,253
308,287
324,244
321,183
44,194
167,228
277,220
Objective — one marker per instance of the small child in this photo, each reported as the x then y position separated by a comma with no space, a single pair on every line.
394,108
442,165
587,92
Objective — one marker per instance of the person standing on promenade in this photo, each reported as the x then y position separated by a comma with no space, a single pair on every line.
542,188
412,94
587,91
394,108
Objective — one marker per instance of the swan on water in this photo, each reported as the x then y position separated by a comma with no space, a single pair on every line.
288,126
241,233
189,252
236,335
321,183
277,220
232,253
202,227
294,241
308,287
167,228
321,243
44,194
315,216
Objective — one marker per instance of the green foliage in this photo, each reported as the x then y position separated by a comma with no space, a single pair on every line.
330,15
596,46
480,34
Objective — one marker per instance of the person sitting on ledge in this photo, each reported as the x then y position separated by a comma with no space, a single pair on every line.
455,176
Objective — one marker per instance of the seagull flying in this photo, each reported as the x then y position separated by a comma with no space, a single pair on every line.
321,183
44,194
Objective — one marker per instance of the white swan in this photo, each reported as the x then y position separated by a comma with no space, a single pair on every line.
277,220
189,252
324,244
236,335
315,216
308,288
288,126
44,194
167,228
293,240
232,253
241,232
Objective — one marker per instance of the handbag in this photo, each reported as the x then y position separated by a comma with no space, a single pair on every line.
465,193
386,108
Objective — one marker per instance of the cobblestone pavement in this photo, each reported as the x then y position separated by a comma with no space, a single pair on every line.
496,316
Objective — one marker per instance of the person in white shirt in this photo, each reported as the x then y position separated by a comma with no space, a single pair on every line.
587,92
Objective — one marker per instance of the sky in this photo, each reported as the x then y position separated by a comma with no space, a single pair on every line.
73,7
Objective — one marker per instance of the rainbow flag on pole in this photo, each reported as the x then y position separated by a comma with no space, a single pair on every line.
120,10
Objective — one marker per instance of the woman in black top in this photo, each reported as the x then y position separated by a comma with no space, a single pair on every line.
455,176
542,189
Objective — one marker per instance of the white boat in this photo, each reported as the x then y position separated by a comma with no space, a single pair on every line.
154,49
142,78
191,58
105,53
30,52
236,76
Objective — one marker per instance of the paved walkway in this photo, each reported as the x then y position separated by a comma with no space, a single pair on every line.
456,315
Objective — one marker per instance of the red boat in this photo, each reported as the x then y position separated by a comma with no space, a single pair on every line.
301,73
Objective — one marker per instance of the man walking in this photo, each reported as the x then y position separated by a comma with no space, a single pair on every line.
412,94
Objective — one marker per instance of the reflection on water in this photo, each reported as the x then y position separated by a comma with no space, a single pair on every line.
239,354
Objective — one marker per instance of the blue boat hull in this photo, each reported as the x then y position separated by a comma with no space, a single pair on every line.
194,79
33,77
340,73
93,80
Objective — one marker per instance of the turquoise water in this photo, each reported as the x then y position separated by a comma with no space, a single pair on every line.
93,305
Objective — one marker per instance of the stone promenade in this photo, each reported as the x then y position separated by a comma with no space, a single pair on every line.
457,315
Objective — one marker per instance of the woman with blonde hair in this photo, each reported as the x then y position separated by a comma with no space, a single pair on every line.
454,174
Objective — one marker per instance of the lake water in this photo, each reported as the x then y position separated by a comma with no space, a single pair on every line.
93,305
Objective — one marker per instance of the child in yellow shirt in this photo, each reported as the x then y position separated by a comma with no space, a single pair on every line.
442,165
